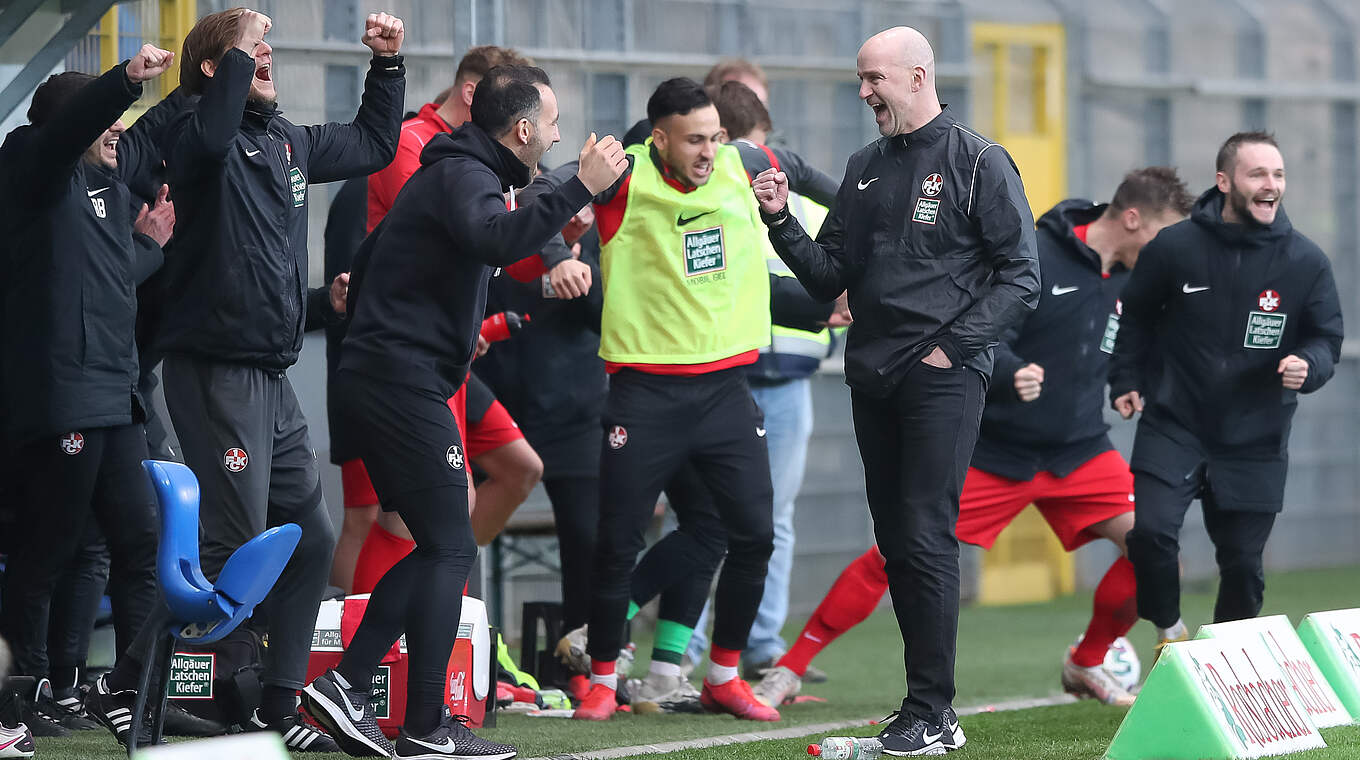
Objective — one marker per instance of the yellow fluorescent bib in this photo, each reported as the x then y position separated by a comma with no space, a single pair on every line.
684,276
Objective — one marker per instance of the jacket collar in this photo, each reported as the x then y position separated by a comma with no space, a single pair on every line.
471,140
256,116
928,133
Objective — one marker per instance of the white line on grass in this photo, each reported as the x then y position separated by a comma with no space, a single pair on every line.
614,753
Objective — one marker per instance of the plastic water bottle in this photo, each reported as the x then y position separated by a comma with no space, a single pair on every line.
847,748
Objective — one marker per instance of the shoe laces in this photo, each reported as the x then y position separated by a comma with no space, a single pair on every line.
903,725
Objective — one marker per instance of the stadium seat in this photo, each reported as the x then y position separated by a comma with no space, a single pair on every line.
197,611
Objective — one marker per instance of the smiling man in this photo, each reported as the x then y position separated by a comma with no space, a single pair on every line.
1228,317
686,306
236,304
934,241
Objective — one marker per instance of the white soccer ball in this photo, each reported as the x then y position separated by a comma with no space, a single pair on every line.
1121,661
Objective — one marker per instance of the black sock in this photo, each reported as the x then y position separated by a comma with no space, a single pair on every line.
277,702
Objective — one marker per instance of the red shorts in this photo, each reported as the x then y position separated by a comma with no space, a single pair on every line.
494,430
1094,492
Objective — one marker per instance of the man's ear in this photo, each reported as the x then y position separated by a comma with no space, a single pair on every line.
523,131
466,92
1222,181
1132,219
207,67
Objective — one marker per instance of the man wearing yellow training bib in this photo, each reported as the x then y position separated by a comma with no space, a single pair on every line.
686,305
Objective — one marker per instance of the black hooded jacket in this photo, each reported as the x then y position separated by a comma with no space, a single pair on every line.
418,287
237,289
1209,313
1070,335
73,264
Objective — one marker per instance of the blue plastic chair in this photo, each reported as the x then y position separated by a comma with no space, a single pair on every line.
197,611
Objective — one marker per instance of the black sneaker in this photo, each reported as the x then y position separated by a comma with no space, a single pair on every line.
298,735
452,740
347,712
16,707
908,736
950,719
68,710
112,709
180,722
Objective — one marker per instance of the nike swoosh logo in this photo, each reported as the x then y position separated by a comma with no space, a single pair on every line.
447,745
1057,291
862,184
355,714
250,153
681,221
930,738
1188,288
760,432
93,193
12,742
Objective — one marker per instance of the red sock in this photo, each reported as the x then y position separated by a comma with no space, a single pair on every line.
852,598
602,668
729,658
380,552
1116,610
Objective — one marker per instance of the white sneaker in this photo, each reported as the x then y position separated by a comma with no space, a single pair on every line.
777,686
571,650
663,694
1096,682
16,742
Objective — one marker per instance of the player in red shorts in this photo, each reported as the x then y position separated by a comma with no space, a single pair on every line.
1043,439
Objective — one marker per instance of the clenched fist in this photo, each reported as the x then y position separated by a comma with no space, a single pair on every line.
149,63
1293,371
772,190
1029,382
383,33
253,27
602,162
1128,404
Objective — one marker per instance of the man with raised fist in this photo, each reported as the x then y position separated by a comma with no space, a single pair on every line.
236,303
417,298
76,250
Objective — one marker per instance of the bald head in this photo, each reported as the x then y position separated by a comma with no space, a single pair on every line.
896,70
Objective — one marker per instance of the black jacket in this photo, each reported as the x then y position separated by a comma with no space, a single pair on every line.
74,262
934,240
1070,335
345,223
1209,312
418,288
240,173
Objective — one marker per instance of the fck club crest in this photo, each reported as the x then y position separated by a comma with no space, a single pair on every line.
1269,300
618,437
235,459
932,185
73,443
454,456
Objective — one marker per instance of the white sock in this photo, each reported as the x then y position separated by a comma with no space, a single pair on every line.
1176,631
720,674
664,668
611,680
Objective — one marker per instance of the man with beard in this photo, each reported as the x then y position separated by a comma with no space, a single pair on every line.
419,287
933,239
1228,317
234,308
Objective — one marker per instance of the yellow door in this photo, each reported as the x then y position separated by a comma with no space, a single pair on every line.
1019,100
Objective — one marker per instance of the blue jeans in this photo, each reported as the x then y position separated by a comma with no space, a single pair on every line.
788,428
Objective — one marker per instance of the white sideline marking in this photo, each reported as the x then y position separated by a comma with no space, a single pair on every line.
615,753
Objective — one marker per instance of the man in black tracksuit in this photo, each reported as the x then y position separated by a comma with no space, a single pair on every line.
934,240
235,306
1228,317
419,292
76,251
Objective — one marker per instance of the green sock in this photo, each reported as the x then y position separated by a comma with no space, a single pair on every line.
672,639
632,609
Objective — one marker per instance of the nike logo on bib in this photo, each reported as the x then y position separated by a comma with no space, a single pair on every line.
681,221
1057,291
862,184
1188,288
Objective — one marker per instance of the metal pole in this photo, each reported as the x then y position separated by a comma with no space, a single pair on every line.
77,26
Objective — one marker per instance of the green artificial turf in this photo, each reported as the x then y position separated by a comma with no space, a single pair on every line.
1004,653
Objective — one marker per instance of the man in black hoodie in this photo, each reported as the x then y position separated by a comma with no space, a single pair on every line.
77,248
418,295
1229,316
235,306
